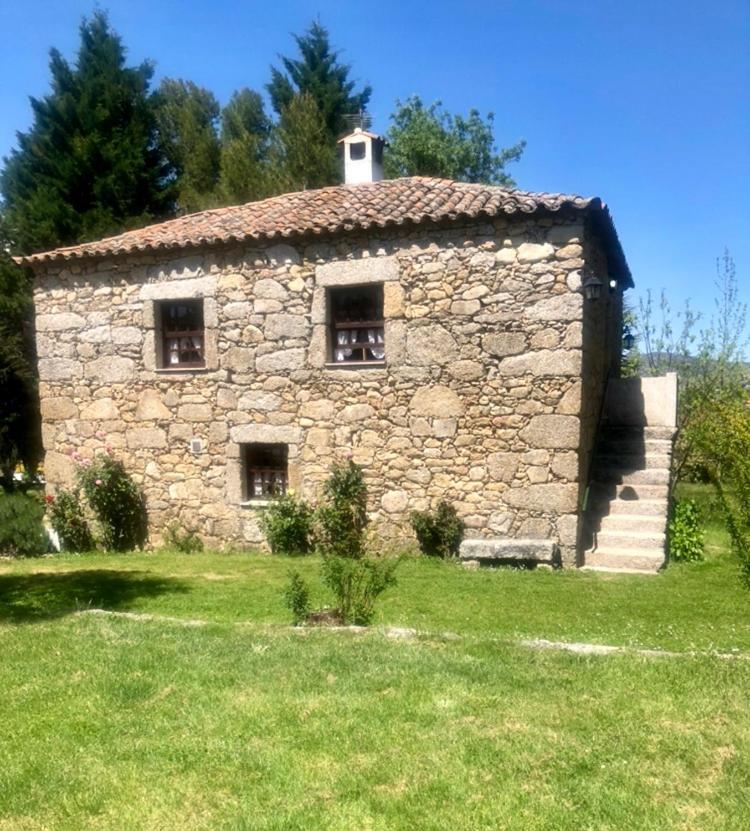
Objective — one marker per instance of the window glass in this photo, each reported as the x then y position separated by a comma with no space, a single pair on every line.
357,329
182,333
265,470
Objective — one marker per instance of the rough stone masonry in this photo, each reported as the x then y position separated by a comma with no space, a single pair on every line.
489,397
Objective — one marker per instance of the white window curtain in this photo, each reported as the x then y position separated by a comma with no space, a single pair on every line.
342,339
375,336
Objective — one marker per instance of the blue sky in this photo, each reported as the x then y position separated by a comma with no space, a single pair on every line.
646,104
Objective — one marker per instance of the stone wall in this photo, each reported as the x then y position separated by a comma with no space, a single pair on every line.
480,402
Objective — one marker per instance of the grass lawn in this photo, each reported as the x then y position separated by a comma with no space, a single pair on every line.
115,723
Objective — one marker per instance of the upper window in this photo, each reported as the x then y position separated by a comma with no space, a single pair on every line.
183,335
357,331
266,470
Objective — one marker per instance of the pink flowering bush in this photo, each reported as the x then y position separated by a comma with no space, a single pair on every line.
65,512
116,501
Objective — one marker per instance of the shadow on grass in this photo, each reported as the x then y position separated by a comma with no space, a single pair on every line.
33,597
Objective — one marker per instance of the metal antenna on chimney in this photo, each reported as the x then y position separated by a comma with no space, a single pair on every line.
362,119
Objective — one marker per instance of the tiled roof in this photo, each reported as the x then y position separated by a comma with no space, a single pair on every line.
337,209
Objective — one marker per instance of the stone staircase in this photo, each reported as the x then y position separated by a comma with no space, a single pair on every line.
628,498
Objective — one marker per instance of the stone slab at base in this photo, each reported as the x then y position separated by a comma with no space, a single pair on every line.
512,551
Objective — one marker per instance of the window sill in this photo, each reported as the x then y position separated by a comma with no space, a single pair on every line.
182,370
355,364
256,503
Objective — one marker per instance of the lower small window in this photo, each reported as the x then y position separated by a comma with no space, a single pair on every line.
183,333
266,470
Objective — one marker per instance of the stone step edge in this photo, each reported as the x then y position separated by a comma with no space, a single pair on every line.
631,520
612,551
621,570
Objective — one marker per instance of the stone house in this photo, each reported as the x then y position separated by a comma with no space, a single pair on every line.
454,339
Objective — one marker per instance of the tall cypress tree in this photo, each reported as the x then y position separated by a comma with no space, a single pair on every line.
319,74
302,154
187,118
90,164
245,137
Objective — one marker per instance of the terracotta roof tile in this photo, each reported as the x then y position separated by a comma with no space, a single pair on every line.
335,209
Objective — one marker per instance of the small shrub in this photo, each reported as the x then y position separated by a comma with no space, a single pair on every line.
356,584
66,516
287,525
342,519
685,533
186,542
439,534
116,501
22,532
297,598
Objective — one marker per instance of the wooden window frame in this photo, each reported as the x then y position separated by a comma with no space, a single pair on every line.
172,334
358,326
273,479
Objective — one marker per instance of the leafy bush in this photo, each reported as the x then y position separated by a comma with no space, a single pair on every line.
355,578
186,542
116,501
297,598
357,583
66,516
22,533
287,524
439,534
685,533
342,519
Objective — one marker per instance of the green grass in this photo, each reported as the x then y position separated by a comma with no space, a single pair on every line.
114,723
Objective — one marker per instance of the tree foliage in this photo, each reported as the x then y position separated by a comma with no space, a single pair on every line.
90,164
302,155
428,141
709,361
187,117
713,440
245,145
318,73
19,410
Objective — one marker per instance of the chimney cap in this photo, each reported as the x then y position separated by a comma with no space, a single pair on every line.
358,131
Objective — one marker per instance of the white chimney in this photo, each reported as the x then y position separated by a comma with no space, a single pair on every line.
363,157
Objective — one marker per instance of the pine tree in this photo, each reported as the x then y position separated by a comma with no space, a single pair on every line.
319,74
187,117
90,164
245,140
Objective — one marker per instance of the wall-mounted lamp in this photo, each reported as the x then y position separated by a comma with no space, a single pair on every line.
628,340
592,288
612,286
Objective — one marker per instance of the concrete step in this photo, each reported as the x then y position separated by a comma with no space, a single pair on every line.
652,540
626,498
609,446
619,570
630,558
651,476
638,507
631,461
623,431
633,522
